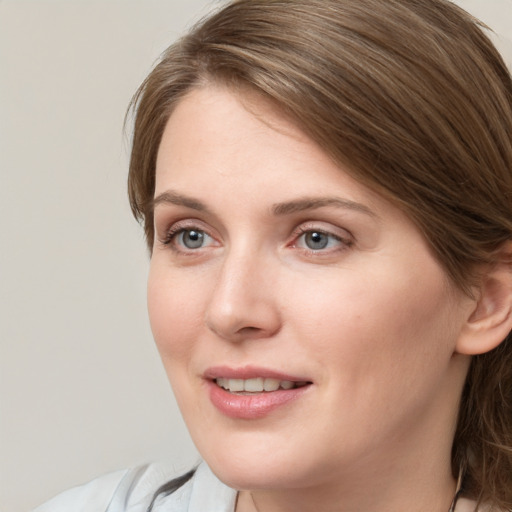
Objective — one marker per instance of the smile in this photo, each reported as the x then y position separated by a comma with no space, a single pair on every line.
256,385
252,393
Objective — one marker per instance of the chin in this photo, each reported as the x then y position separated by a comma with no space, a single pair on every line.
238,475
264,465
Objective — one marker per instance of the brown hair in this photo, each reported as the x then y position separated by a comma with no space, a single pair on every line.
414,99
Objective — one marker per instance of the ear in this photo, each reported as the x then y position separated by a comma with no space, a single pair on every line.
490,320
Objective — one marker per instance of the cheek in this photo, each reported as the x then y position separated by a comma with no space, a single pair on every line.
175,313
383,318
383,346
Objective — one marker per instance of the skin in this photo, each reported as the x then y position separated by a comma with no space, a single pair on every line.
370,320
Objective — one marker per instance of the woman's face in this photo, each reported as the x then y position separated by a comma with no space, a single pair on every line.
305,327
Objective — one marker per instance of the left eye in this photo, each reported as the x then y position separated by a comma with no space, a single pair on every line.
316,240
192,238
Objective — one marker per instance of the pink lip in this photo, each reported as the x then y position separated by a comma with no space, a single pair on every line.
249,372
255,405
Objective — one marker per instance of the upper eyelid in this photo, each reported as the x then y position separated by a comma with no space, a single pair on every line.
316,225
168,213
165,225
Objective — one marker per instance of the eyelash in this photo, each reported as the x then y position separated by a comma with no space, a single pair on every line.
176,230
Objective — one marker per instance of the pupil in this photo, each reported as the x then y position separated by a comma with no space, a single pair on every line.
316,240
193,239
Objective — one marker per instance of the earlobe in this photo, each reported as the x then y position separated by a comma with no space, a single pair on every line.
490,321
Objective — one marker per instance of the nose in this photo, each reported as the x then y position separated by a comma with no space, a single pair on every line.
243,304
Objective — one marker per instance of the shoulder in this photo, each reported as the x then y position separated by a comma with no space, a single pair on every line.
129,490
88,497
132,490
204,491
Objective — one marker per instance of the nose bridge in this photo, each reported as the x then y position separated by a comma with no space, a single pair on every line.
243,303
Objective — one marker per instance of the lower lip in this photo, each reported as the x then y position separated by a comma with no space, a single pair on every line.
253,406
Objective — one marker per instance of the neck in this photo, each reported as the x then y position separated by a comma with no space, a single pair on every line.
433,494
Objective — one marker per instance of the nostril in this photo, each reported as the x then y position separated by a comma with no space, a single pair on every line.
249,331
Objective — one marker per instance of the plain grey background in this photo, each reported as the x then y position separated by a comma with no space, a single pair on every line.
82,391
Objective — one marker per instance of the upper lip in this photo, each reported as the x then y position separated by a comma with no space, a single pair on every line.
250,372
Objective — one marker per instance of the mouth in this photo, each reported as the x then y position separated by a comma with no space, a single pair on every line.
251,393
257,385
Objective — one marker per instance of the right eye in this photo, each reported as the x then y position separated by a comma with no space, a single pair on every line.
192,238
189,239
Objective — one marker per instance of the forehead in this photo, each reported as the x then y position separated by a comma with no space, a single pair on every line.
215,135
220,122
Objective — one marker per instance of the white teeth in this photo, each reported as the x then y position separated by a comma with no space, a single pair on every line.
236,384
271,385
222,382
256,384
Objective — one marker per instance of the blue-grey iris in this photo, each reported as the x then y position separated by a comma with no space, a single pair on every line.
316,240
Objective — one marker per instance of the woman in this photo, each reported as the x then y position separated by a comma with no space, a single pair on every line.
326,191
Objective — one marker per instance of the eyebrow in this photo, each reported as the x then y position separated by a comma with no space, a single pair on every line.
279,209
312,203
171,197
